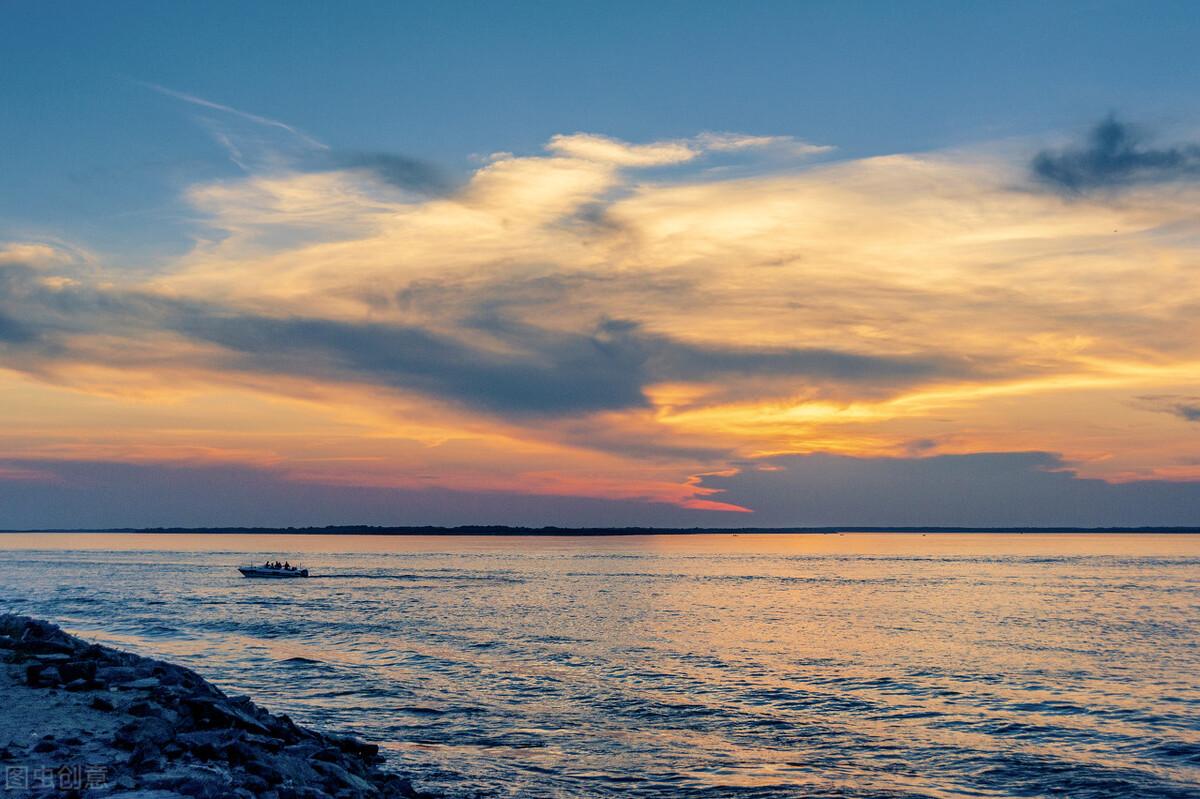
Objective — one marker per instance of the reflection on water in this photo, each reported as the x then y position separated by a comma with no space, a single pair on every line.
798,665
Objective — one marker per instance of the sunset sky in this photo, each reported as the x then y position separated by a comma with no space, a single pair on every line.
680,264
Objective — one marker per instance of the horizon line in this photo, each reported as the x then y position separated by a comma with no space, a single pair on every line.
551,530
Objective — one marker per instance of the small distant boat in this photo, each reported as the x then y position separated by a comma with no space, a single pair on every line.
276,572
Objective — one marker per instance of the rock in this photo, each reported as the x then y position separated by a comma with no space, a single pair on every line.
354,746
39,675
137,733
264,742
147,757
308,792
330,754
143,710
185,737
265,770
78,670
38,647
303,750
342,777
195,781
210,714
255,784
115,674
286,729
33,673
215,744
397,786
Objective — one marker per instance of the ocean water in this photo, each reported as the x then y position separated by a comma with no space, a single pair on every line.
706,666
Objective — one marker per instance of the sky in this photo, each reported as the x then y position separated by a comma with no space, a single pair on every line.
588,264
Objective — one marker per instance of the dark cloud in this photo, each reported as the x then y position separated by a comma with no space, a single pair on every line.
13,332
98,494
531,370
401,171
549,373
505,366
990,489
1185,407
1114,154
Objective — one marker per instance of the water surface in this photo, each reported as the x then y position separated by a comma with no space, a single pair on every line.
659,666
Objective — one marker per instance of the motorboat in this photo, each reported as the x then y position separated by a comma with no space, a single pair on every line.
276,571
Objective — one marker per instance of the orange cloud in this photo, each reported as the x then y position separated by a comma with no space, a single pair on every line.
567,324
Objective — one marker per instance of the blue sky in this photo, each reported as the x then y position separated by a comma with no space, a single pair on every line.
89,152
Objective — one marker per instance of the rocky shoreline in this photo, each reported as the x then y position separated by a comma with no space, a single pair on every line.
86,720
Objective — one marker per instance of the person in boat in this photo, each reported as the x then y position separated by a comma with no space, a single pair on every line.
286,566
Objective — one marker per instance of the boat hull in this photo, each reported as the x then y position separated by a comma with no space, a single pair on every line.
272,574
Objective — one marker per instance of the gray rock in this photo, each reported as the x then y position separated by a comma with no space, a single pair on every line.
153,731
186,738
255,784
143,710
78,670
303,750
40,647
116,673
195,781
343,777
212,713
214,744
43,676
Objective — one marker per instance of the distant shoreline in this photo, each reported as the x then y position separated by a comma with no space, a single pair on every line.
501,530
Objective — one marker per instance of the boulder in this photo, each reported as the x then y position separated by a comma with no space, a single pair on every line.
78,670
142,709
116,674
341,778
137,733
195,781
213,714
40,675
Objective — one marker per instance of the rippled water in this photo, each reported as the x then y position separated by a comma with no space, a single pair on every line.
772,666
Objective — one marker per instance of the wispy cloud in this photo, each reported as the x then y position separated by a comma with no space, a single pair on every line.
1183,406
246,115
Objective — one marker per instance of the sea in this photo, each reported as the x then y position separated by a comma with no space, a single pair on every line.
821,665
